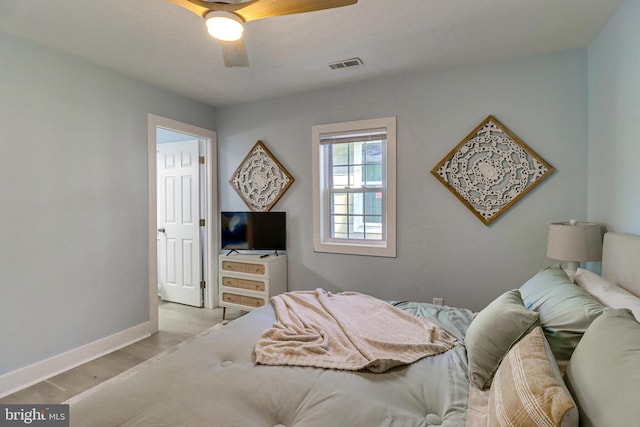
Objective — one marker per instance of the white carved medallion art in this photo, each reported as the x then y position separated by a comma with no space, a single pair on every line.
490,170
260,180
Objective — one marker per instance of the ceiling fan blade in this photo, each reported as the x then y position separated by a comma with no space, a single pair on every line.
234,54
267,8
200,8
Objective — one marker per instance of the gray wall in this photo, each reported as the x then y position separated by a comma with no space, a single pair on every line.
73,253
614,122
443,249
73,183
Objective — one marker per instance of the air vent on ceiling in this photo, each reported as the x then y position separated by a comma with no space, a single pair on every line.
346,63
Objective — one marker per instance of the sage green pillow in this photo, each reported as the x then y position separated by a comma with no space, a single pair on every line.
566,310
604,372
493,332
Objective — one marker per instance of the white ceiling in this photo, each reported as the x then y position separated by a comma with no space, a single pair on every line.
163,44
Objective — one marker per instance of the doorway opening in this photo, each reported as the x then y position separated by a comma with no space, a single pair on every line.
182,204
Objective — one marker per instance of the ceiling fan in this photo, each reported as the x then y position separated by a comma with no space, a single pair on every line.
225,21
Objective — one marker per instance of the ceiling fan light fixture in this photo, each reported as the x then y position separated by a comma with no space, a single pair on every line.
224,26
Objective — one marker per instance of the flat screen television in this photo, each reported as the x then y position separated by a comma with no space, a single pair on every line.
253,231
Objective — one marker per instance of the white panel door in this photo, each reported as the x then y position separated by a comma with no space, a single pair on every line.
179,269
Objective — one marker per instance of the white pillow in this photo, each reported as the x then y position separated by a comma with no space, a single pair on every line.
607,293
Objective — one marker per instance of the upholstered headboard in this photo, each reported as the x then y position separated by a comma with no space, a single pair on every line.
621,260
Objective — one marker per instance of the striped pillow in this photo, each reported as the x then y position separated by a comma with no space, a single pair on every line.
525,391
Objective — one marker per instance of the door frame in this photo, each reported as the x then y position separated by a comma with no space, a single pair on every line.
211,199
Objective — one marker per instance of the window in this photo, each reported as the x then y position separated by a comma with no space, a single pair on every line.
354,196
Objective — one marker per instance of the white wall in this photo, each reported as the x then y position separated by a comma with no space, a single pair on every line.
443,249
73,184
614,122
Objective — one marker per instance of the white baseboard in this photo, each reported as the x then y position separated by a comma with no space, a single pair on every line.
24,377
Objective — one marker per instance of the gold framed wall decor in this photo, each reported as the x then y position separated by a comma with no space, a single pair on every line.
260,180
490,170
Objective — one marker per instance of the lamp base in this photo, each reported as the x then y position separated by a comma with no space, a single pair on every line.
573,265
572,269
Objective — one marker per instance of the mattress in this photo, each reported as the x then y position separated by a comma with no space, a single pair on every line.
213,381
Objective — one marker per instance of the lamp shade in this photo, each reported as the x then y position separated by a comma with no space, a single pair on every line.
574,241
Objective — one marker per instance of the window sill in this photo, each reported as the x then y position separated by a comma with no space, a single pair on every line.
380,250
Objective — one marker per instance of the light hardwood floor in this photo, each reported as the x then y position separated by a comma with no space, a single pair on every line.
176,323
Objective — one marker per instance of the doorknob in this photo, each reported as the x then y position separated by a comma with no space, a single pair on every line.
161,230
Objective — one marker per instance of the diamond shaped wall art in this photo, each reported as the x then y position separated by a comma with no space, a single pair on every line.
260,180
490,170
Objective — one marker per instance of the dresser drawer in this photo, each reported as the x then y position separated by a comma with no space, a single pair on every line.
250,285
244,267
250,302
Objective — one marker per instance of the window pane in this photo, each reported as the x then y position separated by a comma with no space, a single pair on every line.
373,176
374,152
373,227
340,154
373,204
340,177
355,176
340,204
340,226
356,204
356,154
373,218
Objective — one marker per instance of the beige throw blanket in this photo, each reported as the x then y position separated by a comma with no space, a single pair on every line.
349,331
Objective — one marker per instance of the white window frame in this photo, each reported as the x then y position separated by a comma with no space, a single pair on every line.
322,241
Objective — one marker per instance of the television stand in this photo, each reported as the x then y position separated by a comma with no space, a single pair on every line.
232,251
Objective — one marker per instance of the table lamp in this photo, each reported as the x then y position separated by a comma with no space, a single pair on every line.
574,242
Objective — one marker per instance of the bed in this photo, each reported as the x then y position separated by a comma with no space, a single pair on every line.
584,373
